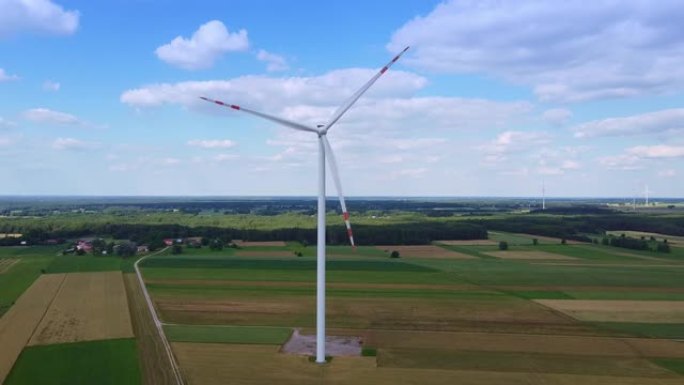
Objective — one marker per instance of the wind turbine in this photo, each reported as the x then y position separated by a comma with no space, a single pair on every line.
323,148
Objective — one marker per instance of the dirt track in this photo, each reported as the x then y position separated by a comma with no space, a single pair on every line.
154,364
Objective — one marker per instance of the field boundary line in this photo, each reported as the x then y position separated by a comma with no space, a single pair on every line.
157,323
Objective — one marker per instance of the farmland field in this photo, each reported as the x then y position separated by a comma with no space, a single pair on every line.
479,320
95,362
59,308
88,306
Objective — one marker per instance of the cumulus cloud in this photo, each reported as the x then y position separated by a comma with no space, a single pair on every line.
49,85
659,122
273,92
5,77
566,51
557,116
212,144
659,151
206,45
274,62
71,144
41,16
4,123
621,162
669,173
44,115
513,142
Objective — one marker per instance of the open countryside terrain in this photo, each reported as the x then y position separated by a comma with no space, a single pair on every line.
68,327
485,319
452,312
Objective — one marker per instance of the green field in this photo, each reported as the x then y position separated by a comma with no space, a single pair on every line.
112,362
420,314
32,262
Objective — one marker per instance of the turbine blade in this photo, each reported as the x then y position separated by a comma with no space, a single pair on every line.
284,122
347,104
338,186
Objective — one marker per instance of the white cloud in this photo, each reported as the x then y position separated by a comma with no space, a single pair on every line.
4,123
557,116
669,173
659,122
47,116
205,46
274,62
168,161
42,16
44,115
71,144
224,157
5,77
212,144
5,141
621,162
659,151
513,142
49,85
265,92
567,51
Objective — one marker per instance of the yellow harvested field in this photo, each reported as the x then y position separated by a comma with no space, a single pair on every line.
619,310
529,255
89,306
18,324
429,251
242,243
468,242
6,263
209,364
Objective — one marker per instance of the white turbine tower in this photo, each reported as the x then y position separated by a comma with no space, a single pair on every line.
323,149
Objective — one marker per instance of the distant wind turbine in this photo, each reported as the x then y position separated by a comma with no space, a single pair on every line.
323,149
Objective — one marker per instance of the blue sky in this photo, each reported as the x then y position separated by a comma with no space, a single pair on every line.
493,97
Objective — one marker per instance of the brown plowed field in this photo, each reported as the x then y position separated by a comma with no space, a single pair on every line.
526,343
429,251
619,310
214,364
6,263
89,306
18,324
154,364
389,313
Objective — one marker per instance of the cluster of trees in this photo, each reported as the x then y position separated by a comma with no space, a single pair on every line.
413,233
637,243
